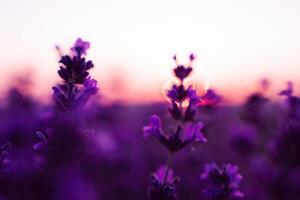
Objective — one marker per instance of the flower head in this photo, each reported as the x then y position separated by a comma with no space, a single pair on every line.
80,47
90,88
175,140
70,97
292,101
78,86
160,190
177,93
74,69
210,98
182,71
223,182
193,100
154,126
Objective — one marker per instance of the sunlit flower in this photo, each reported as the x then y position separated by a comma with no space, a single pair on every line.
80,47
210,98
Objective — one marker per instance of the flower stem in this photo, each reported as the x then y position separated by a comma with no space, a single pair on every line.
169,163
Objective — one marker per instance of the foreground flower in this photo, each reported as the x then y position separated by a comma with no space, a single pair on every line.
223,182
162,186
184,132
174,141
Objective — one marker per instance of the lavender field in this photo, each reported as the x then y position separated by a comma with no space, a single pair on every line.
192,146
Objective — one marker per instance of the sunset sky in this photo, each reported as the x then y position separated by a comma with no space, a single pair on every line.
236,42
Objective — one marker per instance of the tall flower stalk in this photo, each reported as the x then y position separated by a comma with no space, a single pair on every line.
77,86
185,132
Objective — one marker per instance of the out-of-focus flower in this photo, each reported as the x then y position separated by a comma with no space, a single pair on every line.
154,126
289,91
71,97
90,88
292,102
163,188
265,84
243,138
174,141
4,160
285,147
223,182
80,47
210,98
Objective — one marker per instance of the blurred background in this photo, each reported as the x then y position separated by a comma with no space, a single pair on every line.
237,43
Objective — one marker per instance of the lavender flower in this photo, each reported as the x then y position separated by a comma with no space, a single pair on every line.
163,187
184,133
223,182
174,141
80,47
285,147
182,71
180,93
210,98
292,102
74,69
78,86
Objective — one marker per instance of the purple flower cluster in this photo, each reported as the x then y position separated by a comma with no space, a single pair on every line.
179,93
77,86
210,98
186,131
292,101
163,184
223,182
177,140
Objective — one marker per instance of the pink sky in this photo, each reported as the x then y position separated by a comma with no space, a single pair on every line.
237,43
